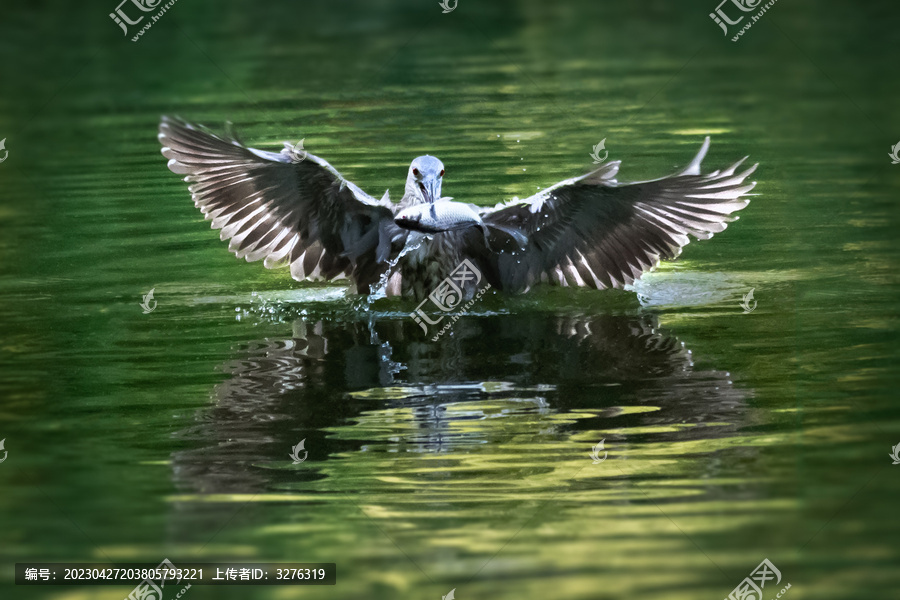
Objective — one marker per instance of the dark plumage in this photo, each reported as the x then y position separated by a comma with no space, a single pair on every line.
293,208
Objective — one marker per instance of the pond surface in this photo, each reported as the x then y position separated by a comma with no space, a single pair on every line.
729,437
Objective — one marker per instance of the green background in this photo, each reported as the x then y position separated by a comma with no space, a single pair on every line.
462,463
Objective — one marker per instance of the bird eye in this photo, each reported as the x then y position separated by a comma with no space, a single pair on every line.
442,172
416,172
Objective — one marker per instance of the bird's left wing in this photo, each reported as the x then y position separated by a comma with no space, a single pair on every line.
287,208
593,231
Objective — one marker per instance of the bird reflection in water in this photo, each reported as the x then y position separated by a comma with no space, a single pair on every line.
354,386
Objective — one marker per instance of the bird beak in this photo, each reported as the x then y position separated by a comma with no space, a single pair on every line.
433,189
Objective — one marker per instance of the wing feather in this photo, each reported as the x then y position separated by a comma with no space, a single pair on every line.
593,231
277,208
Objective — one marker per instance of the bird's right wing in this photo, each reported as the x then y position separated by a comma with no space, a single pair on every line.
287,208
592,231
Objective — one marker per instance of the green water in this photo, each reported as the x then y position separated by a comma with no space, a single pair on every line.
463,463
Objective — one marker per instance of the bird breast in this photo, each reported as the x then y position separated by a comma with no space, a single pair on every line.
425,267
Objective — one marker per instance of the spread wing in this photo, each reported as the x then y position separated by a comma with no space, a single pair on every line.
593,231
289,208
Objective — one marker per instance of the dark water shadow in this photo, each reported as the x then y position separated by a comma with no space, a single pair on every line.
331,373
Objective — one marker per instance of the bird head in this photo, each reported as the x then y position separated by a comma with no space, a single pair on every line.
424,179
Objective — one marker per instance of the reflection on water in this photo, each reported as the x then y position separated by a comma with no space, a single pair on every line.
357,386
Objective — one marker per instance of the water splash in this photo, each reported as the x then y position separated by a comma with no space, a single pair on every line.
378,290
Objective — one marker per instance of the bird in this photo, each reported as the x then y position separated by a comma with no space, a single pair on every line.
292,208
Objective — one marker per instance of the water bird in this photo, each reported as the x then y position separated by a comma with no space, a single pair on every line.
292,208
